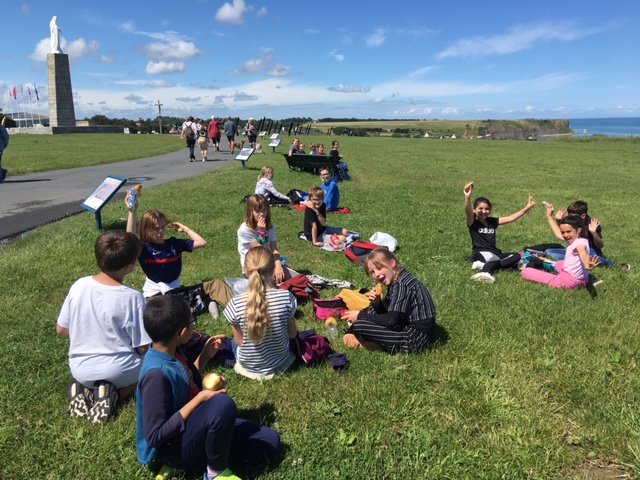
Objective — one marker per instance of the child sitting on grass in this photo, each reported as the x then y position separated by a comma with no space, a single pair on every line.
103,320
179,423
316,229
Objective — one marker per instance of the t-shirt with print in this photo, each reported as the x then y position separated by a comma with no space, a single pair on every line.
483,237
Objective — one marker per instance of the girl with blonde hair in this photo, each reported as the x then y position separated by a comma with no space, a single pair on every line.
266,188
263,320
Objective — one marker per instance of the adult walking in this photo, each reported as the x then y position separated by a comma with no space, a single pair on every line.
214,132
251,129
189,134
4,143
230,130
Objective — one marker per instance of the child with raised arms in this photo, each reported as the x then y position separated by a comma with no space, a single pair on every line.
486,256
161,258
573,271
263,320
179,423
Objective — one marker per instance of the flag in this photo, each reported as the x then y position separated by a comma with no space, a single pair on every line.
15,93
21,92
36,89
29,90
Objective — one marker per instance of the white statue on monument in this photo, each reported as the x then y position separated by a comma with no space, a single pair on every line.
55,35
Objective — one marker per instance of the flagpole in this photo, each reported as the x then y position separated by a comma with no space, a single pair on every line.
16,113
24,110
30,107
37,103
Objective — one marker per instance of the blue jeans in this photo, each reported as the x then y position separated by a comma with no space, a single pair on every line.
558,254
213,434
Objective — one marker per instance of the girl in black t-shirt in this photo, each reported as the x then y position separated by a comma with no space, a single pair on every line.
487,257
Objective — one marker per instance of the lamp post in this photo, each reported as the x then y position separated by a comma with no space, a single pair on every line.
159,105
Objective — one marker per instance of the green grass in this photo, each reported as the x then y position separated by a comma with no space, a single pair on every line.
41,153
525,381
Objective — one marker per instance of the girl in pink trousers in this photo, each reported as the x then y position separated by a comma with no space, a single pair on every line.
573,272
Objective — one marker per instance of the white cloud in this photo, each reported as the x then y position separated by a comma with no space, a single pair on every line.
336,56
377,38
421,71
176,50
159,68
107,59
253,65
279,71
231,13
518,38
262,12
26,10
137,99
349,89
76,49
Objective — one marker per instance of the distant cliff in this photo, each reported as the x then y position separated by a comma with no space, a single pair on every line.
524,129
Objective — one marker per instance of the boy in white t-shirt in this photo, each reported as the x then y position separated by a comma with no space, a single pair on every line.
103,320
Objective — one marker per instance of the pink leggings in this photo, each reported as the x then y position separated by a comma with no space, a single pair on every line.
561,280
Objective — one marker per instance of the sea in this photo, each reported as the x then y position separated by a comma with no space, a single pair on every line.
614,127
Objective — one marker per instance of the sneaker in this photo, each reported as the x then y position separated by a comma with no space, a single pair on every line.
477,265
226,474
167,472
483,277
3,174
596,281
626,266
78,405
105,396
213,310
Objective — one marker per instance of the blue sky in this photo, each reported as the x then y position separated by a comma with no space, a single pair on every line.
400,59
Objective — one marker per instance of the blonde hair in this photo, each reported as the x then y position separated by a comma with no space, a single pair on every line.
316,192
261,264
265,171
382,257
150,219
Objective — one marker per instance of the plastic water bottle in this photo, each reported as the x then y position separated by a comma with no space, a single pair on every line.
332,329
132,200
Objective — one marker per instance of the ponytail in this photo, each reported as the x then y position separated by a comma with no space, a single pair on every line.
260,265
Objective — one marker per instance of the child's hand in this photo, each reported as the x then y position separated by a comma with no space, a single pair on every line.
178,227
593,263
350,315
262,223
593,225
530,203
550,209
278,273
213,345
561,213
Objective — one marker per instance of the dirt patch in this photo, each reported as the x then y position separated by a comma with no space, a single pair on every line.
595,470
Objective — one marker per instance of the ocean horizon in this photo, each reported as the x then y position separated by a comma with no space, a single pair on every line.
615,127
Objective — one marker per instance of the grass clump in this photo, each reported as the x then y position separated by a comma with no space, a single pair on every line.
525,381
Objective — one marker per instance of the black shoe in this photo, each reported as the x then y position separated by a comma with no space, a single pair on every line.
105,398
3,175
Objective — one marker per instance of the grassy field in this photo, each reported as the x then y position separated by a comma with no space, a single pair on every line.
40,153
524,382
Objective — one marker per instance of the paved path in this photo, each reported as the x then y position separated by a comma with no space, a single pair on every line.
29,201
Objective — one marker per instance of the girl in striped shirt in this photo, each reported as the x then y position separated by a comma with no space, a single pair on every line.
263,320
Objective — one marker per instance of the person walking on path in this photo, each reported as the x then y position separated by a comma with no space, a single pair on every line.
4,143
230,130
214,132
189,134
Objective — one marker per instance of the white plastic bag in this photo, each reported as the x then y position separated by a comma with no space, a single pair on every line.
384,240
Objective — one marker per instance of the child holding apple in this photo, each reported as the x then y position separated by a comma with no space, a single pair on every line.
178,422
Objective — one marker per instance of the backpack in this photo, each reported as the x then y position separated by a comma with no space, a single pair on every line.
301,288
297,197
323,309
343,171
358,251
310,347
188,134
195,296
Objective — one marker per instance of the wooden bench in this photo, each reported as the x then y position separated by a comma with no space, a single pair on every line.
310,163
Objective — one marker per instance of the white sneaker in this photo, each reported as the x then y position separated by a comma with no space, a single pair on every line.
483,277
213,310
477,265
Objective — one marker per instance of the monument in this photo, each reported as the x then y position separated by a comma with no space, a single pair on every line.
61,111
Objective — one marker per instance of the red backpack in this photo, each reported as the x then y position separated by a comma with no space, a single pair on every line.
358,251
301,288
